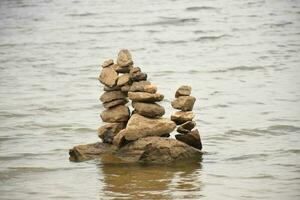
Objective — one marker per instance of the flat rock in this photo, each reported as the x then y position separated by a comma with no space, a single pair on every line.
111,96
186,127
151,110
139,126
119,69
114,88
139,76
107,63
144,150
145,97
125,88
124,58
143,86
123,80
108,77
184,103
193,139
115,103
181,117
118,113
108,131
183,90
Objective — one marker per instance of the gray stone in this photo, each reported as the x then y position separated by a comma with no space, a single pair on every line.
124,58
108,77
181,117
151,110
184,103
139,127
183,90
118,113
145,97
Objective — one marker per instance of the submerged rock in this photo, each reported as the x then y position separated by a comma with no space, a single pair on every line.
184,103
184,90
145,97
151,110
139,127
108,77
118,113
144,150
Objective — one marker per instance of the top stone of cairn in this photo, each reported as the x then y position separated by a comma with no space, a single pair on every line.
184,90
124,58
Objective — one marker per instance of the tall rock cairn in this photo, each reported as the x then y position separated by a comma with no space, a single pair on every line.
121,81
184,118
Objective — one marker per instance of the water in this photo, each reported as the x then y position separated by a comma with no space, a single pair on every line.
240,57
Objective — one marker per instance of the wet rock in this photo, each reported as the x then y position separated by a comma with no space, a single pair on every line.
108,131
184,103
143,86
108,77
181,117
107,63
145,97
186,127
114,88
124,58
115,103
118,113
139,127
113,95
184,90
193,139
123,80
151,110
119,69
144,150
119,139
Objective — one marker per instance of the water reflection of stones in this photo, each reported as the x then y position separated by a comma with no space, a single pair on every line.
135,181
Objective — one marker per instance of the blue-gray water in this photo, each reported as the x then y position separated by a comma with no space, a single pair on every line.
241,58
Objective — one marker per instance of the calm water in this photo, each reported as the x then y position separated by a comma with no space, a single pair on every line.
241,58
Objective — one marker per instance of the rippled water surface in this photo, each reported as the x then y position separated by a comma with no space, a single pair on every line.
241,58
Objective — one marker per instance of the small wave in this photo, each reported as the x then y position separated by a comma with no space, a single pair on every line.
87,14
239,68
197,8
170,21
288,128
211,38
171,42
249,156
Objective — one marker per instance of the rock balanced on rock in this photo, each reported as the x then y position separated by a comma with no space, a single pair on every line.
121,81
184,118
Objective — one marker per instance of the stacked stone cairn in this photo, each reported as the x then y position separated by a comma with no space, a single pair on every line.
184,118
123,81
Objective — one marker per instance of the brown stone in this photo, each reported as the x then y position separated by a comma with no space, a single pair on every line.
144,150
113,95
119,139
123,80
145,97
181,117
124,58
134,70
114,88
193,139
184,103
107,63
108,77
184,90
139,127
186,127
151,110
119,69
125,88
139,76
115,103
108,131
143,86
118,113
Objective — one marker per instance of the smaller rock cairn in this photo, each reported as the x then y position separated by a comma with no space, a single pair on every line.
184,118
121,81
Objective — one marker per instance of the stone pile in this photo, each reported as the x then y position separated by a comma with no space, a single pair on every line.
184,118
121,81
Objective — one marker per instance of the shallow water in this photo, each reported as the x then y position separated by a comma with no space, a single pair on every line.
240,57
